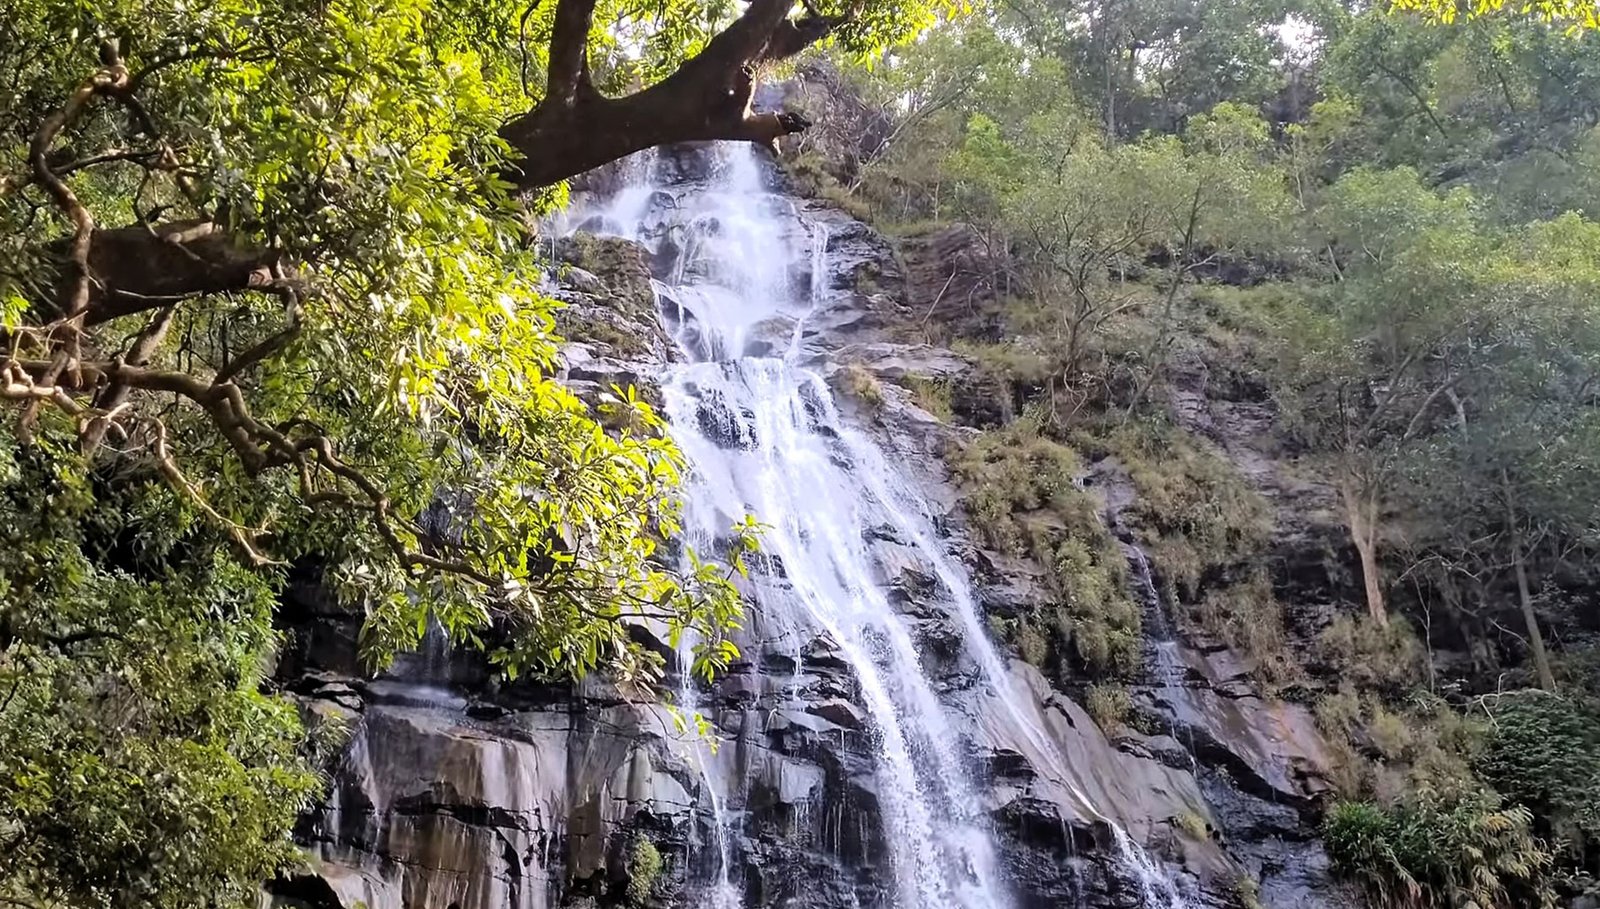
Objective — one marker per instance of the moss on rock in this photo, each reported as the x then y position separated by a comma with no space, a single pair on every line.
1020,492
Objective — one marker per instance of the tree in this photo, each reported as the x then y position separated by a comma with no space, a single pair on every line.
1374,356
1151,64
140,762
273,250
270,265
1106,230
1510,480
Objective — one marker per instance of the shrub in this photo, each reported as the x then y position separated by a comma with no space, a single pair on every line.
1247,890
1031,644
857,381
1009,472
1246,615
1108,705
644,868
1019,489
1431,853
1014,362
1194,509
1339,714
1390,734
1428,745
1543,752
1370,655
933,395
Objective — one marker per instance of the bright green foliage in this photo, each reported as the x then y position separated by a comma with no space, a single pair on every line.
1501,103
644,867
1432,853
1543,753
379,403
360,139
1576,14
1143,66
1088,214
139,762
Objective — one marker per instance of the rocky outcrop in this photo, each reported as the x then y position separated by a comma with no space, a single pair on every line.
456,790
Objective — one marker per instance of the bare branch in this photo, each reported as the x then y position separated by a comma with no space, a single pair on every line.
242,536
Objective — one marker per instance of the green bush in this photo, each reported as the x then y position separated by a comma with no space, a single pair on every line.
1424,744
1015,362
1031,644
644,868
1108,705
1194,510
1543,752
1248,892
1391,735
1387,657
1430,853
933,395
1195,825
1009,473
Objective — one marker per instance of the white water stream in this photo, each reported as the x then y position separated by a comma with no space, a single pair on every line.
764,436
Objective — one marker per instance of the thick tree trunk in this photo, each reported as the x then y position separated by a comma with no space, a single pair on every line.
1362,521
561,142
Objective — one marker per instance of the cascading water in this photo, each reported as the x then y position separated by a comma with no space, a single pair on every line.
764,436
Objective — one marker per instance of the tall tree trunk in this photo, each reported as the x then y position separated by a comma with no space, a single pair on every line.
1519,566
1361,518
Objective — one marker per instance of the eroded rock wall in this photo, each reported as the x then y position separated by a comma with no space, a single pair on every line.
457,791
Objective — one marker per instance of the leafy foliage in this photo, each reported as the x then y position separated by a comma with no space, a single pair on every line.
1399,271
1543,752
644,868
139,759
358,373
1022,496
1576,13
1450,854
1193,509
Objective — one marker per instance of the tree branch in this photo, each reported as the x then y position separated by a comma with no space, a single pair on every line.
569,51
111,400
706,98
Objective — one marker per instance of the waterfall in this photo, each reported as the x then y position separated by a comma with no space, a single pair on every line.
764,436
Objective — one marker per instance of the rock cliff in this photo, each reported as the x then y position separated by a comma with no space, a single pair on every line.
457,790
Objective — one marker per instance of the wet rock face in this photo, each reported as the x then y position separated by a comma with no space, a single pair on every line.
456,789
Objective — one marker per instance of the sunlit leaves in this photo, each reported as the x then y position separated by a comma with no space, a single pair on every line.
1574,14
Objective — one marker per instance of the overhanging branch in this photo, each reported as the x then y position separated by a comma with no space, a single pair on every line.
706,98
